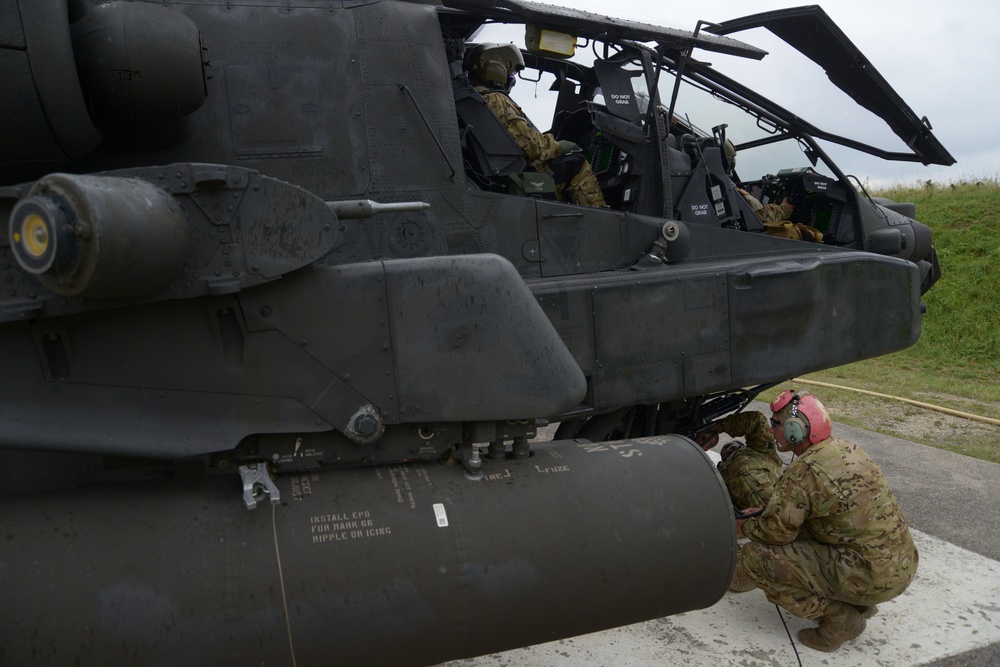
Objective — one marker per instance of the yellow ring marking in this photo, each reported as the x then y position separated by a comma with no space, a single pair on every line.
35,233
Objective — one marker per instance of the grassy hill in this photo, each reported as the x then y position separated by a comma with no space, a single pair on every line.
956,362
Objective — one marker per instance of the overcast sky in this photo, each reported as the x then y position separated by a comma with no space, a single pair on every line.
941,56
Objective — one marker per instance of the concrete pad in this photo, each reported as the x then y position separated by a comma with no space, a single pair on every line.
952,606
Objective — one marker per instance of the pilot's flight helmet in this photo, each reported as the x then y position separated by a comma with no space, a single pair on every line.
802,416
495,64
730,151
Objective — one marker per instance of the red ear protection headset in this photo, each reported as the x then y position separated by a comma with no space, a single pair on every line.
807,418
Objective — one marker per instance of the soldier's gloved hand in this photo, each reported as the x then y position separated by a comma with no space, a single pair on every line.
742,517
567,147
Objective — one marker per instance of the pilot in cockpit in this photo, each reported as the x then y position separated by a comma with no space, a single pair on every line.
492,69
776,218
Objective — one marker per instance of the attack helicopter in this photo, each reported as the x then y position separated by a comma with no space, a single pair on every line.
281,257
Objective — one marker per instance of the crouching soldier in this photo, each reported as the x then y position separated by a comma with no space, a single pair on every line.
832,541
749,470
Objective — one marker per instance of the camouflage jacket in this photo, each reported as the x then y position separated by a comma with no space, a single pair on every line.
750,472
776,223
750,476
766,212
753,427
772,213
835,494
537,147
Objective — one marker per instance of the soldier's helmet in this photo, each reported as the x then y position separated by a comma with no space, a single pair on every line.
495,64
802,416
730,150
730,448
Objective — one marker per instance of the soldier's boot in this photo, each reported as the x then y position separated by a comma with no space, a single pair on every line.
841,623
866,610
741,582
584,190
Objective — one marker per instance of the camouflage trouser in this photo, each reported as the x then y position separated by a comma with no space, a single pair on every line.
792,230
583,189
576,181
806,577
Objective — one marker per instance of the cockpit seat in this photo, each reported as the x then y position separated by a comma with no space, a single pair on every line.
490,153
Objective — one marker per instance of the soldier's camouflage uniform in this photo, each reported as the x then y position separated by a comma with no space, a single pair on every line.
772,213
776,222
832,531
791,230
751,471
540,149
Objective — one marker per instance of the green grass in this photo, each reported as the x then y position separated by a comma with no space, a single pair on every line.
956,362
962,326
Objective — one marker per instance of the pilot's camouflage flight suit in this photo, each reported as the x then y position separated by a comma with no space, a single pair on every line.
751,471
776,223
832,531
582,187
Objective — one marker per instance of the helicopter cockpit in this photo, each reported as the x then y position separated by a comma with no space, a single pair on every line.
595,105
614,89
604,107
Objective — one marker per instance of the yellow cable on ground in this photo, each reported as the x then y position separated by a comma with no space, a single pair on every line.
928,406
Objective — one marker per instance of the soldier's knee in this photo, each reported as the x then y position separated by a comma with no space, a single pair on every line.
566,168
755,556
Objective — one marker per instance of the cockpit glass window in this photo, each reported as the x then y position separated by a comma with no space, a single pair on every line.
700,110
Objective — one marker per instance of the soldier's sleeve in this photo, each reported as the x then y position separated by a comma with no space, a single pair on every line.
748,485
537,147
754,426
772,213
788,509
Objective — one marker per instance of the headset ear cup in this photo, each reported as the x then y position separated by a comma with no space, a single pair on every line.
794,430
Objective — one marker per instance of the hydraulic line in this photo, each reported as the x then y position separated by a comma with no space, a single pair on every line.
919,404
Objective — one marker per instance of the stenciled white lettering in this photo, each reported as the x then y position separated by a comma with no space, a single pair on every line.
343,526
